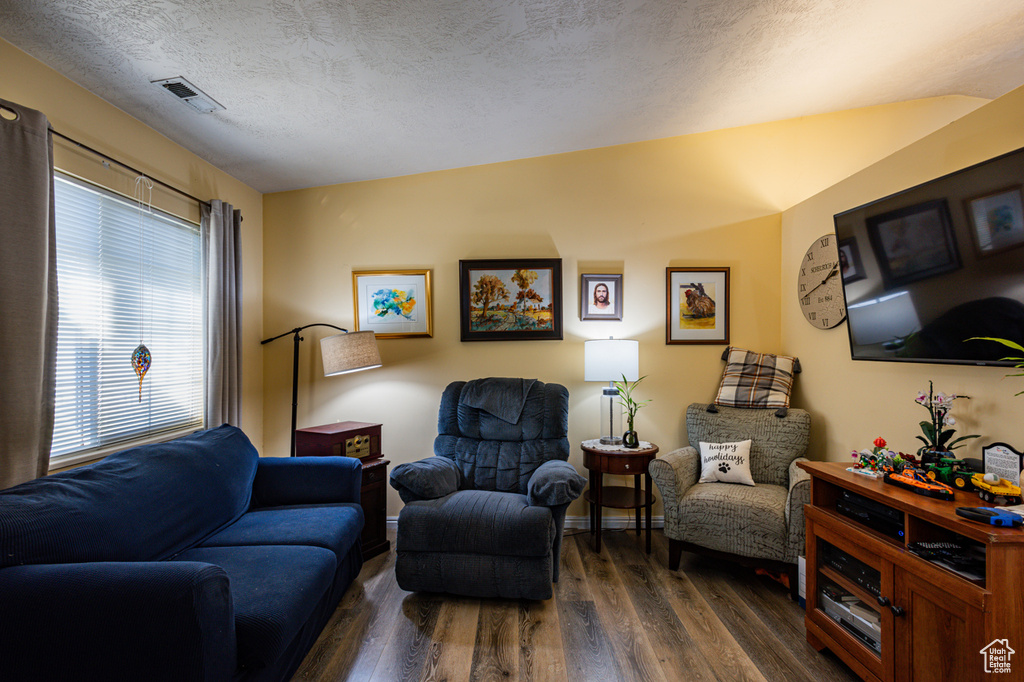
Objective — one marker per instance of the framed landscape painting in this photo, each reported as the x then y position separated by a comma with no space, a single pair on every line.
510,299
697,305
393,304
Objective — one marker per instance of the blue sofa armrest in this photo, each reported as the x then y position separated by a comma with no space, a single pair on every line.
306,480
163,620
554,483
426,479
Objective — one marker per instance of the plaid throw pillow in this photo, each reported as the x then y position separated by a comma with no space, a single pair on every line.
756,380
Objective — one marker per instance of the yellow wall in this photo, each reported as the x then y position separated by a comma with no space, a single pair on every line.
712,199
76,112
853,402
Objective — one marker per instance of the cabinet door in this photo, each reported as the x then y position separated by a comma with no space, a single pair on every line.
937,636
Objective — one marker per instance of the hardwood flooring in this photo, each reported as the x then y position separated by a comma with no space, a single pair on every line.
618,615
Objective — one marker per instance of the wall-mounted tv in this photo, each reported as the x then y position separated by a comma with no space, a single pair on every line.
929,267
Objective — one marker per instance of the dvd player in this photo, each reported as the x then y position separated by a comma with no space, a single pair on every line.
872,514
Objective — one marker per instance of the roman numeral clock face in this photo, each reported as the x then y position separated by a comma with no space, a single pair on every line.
820,284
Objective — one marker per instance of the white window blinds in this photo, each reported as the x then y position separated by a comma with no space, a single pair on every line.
117,287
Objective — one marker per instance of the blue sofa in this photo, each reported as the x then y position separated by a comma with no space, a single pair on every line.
189,560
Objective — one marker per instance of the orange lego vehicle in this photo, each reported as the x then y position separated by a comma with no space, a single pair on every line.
918,482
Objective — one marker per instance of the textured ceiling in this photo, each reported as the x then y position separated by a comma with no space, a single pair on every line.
325,91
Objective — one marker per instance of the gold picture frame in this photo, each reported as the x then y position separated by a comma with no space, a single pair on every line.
393,304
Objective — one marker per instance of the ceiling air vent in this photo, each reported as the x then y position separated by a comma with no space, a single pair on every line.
189,94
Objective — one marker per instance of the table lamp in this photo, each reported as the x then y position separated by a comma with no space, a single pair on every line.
610,360
342,353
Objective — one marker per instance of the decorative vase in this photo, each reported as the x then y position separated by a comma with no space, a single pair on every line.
629,438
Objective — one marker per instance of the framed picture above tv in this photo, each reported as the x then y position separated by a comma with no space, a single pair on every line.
914,242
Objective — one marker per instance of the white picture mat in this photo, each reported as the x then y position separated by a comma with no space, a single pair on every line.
368,285
613,296
678,283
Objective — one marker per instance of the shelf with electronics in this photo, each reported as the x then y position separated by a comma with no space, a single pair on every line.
877,600
907,578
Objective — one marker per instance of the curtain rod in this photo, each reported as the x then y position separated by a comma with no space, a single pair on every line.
125,165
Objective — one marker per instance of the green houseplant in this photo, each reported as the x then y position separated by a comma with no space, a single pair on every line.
632,406
1009,344
936,438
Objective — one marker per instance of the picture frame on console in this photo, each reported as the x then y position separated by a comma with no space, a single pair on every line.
510,299
393,304
697,306
600,297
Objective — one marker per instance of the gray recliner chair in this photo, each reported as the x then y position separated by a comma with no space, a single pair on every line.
483,517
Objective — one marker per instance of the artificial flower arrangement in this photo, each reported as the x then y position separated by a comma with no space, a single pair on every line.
936,438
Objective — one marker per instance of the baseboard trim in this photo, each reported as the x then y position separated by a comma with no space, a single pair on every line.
582,522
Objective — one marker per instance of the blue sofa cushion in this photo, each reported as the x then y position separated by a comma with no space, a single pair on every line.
334,527
274,590
477,522
143,504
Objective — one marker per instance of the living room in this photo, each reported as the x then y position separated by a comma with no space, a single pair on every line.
750,198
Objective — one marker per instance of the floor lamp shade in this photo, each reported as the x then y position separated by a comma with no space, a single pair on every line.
611,360
351,352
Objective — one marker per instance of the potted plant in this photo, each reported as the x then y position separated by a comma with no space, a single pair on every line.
1009,344
626,388
937,439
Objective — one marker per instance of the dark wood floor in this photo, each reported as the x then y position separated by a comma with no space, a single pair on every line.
618,615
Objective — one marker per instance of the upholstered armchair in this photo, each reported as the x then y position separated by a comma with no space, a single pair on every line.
483,517
763,522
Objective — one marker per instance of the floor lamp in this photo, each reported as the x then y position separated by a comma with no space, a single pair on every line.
342,353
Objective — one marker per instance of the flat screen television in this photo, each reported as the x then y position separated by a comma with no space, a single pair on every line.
927,268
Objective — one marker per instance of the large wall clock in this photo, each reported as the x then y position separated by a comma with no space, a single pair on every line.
820,284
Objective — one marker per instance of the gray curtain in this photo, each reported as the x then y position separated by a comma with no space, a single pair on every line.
221,227
28,294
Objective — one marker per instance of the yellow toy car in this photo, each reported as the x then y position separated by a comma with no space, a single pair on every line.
991,486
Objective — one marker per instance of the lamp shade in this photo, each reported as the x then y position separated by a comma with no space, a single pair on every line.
610,359
352,352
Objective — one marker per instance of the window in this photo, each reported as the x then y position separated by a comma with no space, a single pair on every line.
114,287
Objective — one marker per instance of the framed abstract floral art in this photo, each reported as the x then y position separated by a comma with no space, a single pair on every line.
393,304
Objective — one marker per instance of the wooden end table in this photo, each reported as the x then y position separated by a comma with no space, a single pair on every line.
336,439
608,459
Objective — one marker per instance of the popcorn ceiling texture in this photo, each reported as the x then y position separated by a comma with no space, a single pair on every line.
325,91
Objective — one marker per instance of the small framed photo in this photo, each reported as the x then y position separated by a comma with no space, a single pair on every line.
697,306
393,304
997,220
514,299
600,297
1004,461
912,243
850,266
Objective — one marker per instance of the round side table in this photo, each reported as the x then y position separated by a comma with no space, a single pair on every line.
605,459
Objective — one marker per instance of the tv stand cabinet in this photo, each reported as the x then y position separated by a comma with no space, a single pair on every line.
933,623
